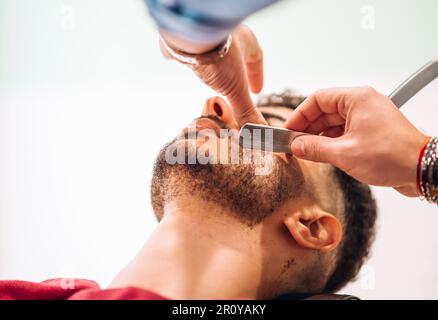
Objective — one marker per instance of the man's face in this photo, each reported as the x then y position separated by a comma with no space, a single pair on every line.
228,178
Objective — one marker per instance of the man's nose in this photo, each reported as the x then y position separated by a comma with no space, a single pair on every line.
218,108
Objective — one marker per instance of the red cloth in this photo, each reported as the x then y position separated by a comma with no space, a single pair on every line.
70,289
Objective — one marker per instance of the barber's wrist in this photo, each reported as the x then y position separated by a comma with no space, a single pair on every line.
188,46
419,167
408,164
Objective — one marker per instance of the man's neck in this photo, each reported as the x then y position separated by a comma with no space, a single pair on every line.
198,252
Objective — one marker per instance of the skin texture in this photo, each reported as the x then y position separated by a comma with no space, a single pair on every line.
202,250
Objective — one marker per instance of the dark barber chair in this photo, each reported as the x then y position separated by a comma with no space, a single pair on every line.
317,297
332,297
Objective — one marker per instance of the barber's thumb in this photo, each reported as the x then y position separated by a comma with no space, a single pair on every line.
314,148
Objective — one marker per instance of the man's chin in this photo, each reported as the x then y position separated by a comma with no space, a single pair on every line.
250,188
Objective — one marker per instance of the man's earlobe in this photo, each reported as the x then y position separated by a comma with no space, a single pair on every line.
314,228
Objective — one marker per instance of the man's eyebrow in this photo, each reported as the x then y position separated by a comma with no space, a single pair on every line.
267,115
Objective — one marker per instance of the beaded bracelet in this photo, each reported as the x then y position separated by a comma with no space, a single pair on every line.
427,173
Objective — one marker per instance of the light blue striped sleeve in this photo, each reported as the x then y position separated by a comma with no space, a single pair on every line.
203,20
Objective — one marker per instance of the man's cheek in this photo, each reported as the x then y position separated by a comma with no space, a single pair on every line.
265,163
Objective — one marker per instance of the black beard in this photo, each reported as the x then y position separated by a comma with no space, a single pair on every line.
235,187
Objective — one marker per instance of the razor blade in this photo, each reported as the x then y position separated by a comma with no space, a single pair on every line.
267,138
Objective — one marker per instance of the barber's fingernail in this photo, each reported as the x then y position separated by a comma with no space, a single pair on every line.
218,109
298,148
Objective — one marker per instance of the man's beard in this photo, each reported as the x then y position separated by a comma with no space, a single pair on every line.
250,197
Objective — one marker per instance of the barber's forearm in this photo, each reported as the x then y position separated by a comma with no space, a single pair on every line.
198,26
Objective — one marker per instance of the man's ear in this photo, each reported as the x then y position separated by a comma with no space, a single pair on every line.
314,228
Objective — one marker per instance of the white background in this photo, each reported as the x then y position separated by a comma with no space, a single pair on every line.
86,102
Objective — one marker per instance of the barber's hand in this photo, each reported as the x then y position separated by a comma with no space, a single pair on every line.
361,132
241,68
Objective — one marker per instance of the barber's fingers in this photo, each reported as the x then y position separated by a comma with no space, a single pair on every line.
247,73
318,148
325,122
252,55
244,109
241,68
229,78
234,75
333,132
322,103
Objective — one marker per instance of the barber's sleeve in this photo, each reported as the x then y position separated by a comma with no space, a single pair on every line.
203,21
